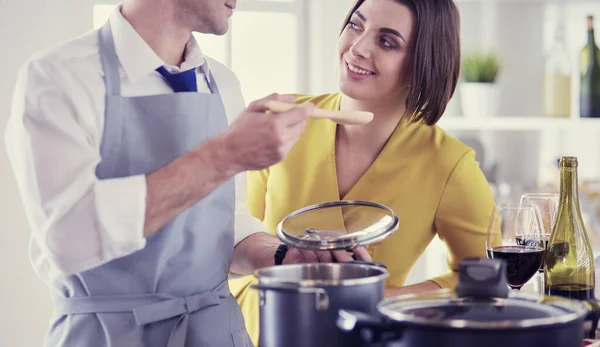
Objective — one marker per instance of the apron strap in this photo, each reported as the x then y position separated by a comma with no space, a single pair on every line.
109,59
146,308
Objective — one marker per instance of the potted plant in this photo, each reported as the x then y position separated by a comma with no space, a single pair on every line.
479,92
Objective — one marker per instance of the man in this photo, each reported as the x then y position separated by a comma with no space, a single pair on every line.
120,144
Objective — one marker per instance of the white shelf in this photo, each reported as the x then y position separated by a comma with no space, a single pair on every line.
516,123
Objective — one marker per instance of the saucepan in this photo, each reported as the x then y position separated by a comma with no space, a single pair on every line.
480,311
299,303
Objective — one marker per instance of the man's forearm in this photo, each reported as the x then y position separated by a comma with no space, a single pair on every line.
254,252
185,181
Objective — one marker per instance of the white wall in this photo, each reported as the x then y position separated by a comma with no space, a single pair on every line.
325,18
26,26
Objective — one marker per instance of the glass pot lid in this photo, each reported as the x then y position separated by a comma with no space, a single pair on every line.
337,225
443,308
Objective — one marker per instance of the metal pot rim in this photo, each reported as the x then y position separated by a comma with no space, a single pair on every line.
400,317
326,283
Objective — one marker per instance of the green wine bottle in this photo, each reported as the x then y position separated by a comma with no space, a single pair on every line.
584,55
569,260
589,95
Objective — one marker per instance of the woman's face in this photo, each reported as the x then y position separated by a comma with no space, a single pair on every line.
375,51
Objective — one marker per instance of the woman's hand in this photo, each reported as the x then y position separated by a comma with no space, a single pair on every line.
299,256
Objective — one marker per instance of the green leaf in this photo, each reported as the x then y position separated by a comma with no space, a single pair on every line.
481,68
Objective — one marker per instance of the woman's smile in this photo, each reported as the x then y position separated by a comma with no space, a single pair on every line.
357,73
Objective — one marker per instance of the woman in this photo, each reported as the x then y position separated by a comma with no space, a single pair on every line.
400,60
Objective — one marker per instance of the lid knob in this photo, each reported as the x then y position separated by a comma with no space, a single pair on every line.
482,278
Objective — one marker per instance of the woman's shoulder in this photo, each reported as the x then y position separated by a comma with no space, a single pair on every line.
449,143
444,150
327,101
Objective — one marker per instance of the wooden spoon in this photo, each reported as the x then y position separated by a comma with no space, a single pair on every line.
341,117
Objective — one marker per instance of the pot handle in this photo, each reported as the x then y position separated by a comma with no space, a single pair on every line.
370,329
321,297
482,278
593,316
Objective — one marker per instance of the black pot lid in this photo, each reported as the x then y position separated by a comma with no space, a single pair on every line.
443,308
337,225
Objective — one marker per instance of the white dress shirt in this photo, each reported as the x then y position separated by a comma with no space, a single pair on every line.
53,140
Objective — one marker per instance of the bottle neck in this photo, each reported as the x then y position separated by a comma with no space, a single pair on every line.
569,192
592,46
559,41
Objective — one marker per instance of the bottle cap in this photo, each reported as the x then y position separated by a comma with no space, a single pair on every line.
568,162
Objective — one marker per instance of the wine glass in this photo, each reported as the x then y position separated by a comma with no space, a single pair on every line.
547,205
510,223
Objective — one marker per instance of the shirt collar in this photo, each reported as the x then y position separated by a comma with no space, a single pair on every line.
138,59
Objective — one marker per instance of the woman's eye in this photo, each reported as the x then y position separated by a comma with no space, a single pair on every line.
388,44
353,26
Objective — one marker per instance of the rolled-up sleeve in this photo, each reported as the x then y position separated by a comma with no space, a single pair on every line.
463,215
245,223
77,220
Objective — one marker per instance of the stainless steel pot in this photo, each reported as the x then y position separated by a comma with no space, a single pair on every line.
299,304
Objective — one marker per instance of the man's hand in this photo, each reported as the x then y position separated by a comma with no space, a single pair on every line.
299,256
257,140
258,250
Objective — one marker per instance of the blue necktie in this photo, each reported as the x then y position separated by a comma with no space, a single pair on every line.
180,82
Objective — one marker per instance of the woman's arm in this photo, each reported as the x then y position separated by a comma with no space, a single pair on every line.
461,222
463,214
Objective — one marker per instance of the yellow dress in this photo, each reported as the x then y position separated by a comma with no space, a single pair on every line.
429,178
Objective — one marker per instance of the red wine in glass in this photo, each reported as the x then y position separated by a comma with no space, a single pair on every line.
534,241
522,262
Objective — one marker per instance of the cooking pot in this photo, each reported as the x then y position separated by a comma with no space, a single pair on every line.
299,303
479,312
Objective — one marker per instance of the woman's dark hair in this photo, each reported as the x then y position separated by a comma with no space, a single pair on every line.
436,59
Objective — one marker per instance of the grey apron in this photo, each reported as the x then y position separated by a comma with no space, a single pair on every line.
172,293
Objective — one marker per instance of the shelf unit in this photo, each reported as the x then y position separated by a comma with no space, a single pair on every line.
520,136
508,123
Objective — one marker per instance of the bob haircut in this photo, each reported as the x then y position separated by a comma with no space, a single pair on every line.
436,59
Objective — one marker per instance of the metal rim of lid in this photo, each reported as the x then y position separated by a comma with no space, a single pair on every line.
312,283
346,243
397,315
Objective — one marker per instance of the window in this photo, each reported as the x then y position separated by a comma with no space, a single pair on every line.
265,45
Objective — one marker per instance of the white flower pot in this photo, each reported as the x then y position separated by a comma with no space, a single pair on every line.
479,100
